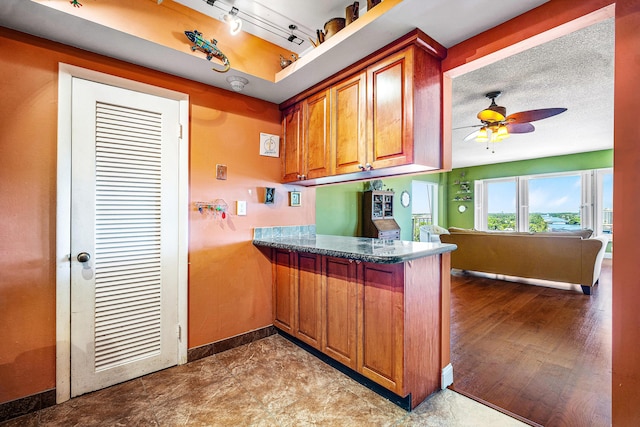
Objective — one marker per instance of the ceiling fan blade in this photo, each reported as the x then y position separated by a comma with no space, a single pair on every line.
467,127
533,115
520,127
471,136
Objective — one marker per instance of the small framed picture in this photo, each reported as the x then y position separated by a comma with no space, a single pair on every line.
270,195
295,198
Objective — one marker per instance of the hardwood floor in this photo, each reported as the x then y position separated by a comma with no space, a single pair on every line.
538,352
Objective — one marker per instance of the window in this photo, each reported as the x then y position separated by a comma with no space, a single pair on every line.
424,205
501,205
604,203
547,203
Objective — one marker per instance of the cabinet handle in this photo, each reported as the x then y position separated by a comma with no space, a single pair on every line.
368,166
361,167
301,176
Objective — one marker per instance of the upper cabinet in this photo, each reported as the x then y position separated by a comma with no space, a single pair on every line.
380,117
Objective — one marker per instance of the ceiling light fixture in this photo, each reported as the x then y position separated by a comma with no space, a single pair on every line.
263,24
293,38
235,23
237,83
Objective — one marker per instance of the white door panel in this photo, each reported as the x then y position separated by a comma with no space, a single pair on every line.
124,215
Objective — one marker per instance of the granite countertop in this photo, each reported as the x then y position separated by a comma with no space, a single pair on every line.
356,248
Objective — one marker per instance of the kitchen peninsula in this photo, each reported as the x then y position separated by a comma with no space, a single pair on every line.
378,307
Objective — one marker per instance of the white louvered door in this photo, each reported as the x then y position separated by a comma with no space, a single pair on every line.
124,213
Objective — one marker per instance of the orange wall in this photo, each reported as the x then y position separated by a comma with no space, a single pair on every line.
541,24
229,279
165,23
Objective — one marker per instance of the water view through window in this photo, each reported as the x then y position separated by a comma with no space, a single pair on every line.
547,202
553,204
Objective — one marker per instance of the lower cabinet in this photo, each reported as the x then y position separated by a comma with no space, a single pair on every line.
339,310
307,317
297,295
381,320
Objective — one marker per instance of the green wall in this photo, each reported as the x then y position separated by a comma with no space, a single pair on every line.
572,162
339,206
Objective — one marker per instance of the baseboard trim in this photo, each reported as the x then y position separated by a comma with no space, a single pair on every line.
446,378
25,405
207,350
497,408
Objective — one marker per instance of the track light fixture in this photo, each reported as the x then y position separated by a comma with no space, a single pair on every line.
231,18
235,23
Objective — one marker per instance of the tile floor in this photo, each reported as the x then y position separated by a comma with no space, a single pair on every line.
270,382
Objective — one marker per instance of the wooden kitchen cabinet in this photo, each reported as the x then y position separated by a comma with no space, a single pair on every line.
291,151
385,117
339,309
389,111
305,139
316,151
307,317
297,295
284,276
383,321
349,125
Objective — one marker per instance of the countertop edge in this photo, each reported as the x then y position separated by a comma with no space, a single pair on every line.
377,259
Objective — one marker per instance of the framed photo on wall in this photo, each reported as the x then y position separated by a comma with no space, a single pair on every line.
295,198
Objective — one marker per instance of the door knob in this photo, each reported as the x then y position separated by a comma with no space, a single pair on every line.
83,257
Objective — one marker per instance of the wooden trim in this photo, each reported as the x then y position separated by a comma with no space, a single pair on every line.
497,408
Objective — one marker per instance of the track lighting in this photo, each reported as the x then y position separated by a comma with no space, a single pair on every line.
235,23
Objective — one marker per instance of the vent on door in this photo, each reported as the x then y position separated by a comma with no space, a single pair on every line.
128,257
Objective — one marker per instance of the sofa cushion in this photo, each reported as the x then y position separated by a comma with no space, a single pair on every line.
584,233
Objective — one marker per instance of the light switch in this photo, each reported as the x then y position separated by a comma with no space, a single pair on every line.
241,208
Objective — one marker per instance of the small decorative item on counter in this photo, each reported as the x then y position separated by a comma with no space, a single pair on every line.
352,12
210,48
75,3
284,62
218,207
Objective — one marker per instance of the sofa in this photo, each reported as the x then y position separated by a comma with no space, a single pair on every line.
572,257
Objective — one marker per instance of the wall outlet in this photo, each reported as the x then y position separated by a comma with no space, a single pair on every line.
241,207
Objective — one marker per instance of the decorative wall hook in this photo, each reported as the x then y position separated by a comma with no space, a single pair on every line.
218,207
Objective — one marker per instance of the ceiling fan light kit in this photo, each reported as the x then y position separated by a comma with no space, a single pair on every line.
496,125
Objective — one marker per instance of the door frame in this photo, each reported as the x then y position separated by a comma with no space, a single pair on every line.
66,73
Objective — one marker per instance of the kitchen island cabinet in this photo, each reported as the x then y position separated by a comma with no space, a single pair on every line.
378,307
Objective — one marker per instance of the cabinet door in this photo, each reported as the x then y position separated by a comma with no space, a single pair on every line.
316,144
284,277
339,305
381,325
308,325
348,124
390,110
291,146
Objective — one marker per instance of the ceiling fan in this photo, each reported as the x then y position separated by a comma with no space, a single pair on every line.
496,125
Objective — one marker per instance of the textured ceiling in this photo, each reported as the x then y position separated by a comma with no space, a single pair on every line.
574,71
